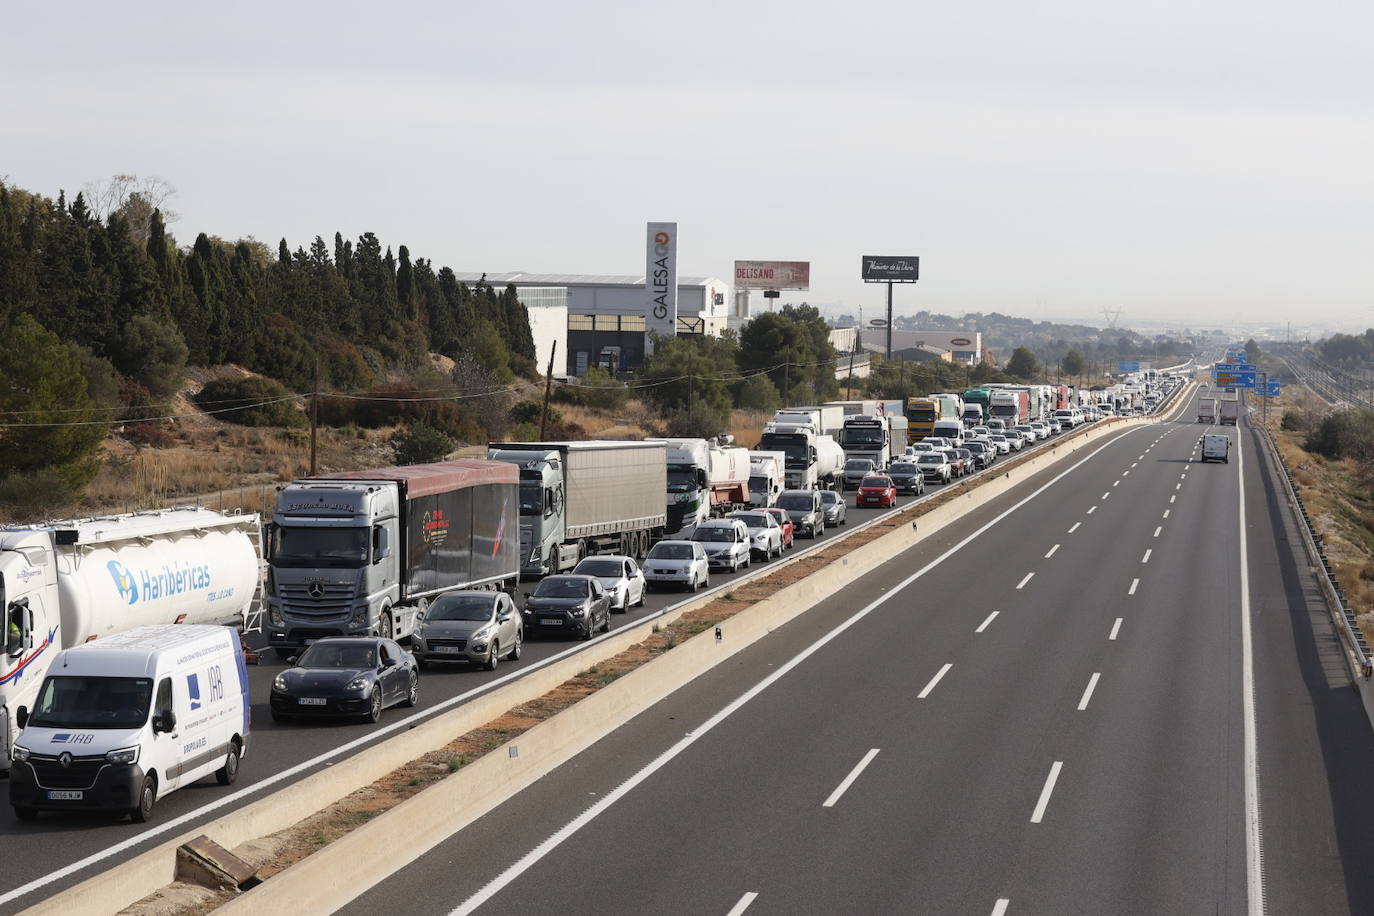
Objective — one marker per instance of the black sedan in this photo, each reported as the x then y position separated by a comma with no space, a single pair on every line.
346,676
568,604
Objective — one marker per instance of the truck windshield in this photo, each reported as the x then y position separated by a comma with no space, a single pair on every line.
531,497
682,478
794,446
309,547
1004,410
758,485
921,414
93,702
863,436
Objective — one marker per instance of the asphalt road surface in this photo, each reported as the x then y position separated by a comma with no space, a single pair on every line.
1111,691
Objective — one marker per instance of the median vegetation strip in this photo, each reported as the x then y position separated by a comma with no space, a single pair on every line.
277,852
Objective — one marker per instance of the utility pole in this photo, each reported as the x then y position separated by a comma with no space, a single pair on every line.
691,377
787,379
548,389
889,319
314,417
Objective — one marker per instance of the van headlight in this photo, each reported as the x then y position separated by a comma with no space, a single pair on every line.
19,753
124,755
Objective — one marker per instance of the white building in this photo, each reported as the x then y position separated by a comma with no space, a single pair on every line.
965,347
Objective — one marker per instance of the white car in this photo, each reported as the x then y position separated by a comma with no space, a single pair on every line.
619,576
726,541
1041,427
679,563
765,534
1003,443
1027,432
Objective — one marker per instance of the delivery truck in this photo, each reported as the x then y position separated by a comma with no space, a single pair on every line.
368,551
767,478
706,477
1010,406
878,438
977,404
70,582
921,416
1207,410
583,498
1228,411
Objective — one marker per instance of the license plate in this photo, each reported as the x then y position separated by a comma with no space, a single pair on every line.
65,796
551,621
446,650
312,701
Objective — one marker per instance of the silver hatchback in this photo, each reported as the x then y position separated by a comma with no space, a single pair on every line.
477,627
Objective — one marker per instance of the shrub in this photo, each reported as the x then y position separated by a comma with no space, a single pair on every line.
394,404
150,435
701,421
151,351
1343,434
420,444
245,401
759,393
1295,420
42,494
532,411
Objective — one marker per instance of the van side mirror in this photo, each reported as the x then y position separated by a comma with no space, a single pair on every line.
21,716
165,721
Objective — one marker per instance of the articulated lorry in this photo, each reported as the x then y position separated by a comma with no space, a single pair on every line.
880,439
1228,411
921,416
977,406
1207,410
822,420
1010,406
706,477
584,498
812,461
366,551
67,583
953,405
767,478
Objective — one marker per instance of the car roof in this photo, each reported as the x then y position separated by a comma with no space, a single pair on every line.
604,556
347,641
574,576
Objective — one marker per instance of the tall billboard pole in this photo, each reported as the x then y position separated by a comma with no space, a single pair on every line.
890,270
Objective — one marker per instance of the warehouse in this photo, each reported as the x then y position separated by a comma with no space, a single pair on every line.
965,347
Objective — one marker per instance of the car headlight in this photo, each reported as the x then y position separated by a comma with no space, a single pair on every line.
577,611
279,683
481,635
124,755
359,683
19,753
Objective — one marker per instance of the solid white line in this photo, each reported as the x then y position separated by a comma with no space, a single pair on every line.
1116,628
1052,551
1092,510
1158,530
1088,691
925,692
527,861
1254,851
1023,582
853,775
1146,558
1046,792
984,625
743,904
1134,584
1000,907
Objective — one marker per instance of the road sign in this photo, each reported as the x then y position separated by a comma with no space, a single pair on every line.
1229,379
1271,389
1127,366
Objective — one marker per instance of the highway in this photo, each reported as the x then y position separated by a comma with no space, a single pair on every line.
44,856
1112,690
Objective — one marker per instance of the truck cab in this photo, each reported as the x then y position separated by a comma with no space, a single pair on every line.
542,502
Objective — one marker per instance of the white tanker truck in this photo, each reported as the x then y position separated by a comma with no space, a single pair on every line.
66,583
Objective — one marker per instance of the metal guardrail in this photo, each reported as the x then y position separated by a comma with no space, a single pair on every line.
1336,601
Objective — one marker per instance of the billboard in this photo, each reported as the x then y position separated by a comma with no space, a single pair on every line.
772,275
660,282
1126,365
883,268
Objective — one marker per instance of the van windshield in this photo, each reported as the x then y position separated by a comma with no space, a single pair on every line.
92,702
314,547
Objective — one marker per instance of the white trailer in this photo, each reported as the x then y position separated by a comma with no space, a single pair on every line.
71,582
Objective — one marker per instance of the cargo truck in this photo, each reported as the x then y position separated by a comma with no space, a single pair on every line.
979,400
1011,407
921,416
1229,411
812,461
71,582
367,551
706,477
824,420
583,498
952,405
880,439
767,476
1207,410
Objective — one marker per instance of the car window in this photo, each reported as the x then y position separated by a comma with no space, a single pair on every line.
597,591
387,655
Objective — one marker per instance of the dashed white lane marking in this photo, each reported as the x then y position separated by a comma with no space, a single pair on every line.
1178,486
1088,691
1046,792
1022,583
1166,512
1107,494
1074,527
1146,558
925,692
1126,473
1052,550
849,780
984,625
1116,628
743,904
1142,457
1000,907
1187,467
1172,498
1135,583
1092,510
1117,483
1158,530
1182,476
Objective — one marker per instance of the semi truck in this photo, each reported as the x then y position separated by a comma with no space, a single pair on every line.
1207,410
767,478
367,551
1228,411
880,439
921,417
823,420
952,405
706,477
583,498
977,404
1011,407
70,582
811,462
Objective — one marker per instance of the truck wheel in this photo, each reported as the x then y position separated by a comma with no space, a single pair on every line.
228,774
384,625
147,799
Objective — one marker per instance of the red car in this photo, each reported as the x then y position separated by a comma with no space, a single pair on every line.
785,522
876,491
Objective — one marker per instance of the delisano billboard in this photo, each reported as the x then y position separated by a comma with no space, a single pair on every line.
772,275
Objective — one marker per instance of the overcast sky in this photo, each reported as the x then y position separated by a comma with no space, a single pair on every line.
1190,161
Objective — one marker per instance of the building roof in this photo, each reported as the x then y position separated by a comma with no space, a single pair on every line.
520,278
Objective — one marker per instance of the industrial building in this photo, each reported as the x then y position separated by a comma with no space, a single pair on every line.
965,347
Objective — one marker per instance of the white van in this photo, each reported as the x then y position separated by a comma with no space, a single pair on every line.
122,721
1216,448
953,430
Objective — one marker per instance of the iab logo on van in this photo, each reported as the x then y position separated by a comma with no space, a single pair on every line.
69,738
